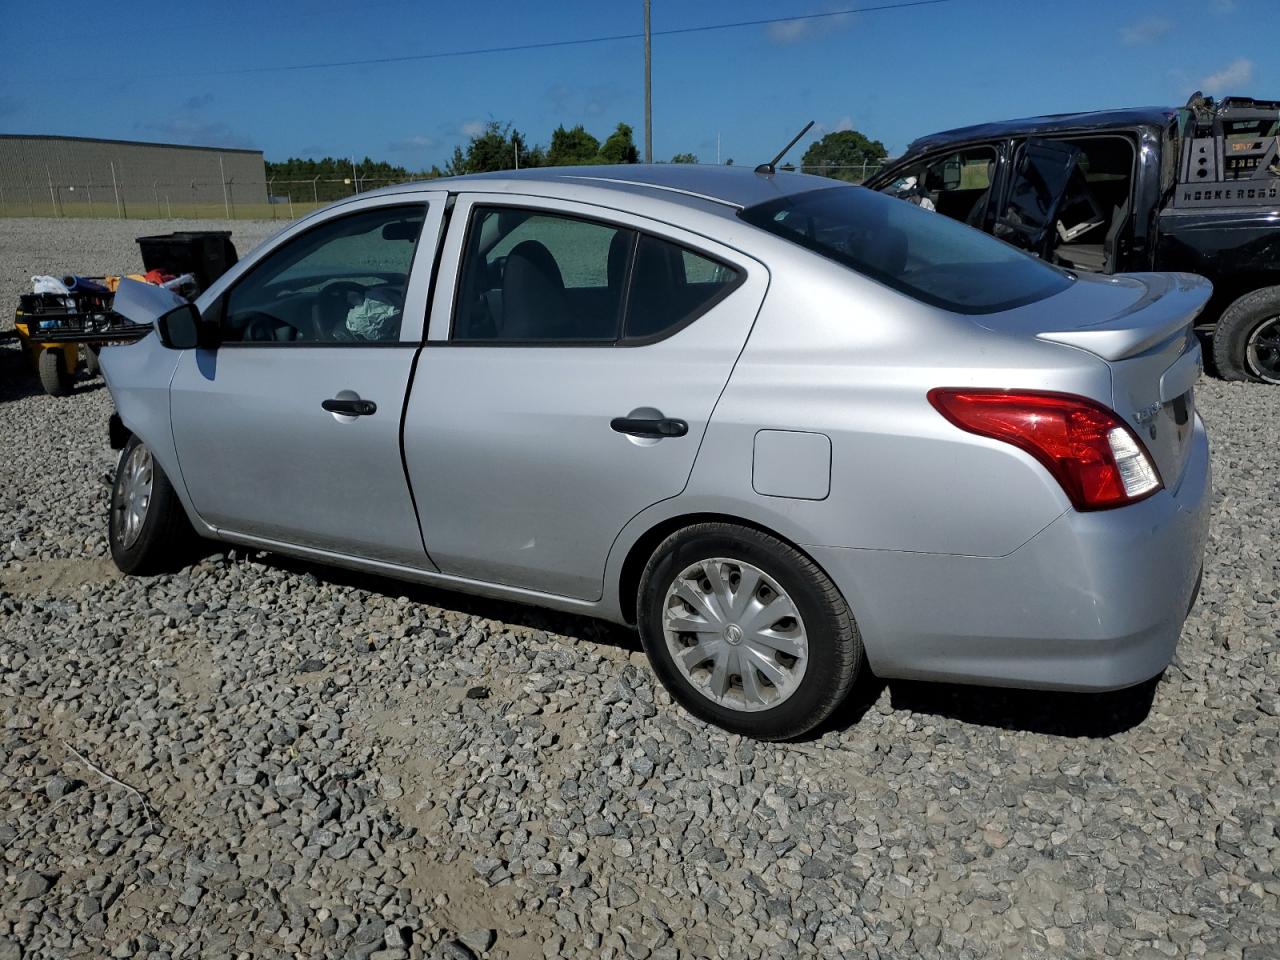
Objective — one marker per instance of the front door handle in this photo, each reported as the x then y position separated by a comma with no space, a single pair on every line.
350,408
659,427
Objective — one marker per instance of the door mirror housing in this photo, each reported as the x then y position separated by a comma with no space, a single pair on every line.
182,328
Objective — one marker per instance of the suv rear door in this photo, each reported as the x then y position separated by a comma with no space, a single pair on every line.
1041,172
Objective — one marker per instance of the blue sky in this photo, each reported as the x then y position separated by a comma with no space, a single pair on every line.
144,72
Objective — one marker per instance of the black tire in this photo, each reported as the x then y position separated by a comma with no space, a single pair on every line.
165,536
835,654
1234,355
54,376
91,365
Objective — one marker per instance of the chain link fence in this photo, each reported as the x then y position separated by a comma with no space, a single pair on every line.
232,199
194,199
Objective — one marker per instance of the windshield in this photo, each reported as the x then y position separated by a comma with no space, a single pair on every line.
925,255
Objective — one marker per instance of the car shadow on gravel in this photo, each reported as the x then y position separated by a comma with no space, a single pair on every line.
1077,715
1074,715
570,625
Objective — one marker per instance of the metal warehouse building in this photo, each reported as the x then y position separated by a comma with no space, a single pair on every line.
77,175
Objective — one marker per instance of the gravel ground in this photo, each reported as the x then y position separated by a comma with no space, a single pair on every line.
261,758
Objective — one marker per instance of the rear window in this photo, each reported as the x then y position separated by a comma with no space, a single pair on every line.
923,254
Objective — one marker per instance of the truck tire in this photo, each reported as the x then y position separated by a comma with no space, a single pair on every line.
147,528
54,376
91,365
1246,341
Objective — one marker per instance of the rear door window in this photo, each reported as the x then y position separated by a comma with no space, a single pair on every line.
671,286
529,276
533,276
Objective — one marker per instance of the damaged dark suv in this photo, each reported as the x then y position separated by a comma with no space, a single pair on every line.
1195,190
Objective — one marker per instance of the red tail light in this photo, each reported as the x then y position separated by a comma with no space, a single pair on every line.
1090,451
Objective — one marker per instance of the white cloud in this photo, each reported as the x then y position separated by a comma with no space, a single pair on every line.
821,129
1145,31
1236,74
786,32
473,128
413,143
1224,6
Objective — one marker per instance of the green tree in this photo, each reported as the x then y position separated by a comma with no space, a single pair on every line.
330,178
843,154
684,158
620,147
495,148
571,148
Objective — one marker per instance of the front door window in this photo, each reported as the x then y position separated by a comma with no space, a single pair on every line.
343,282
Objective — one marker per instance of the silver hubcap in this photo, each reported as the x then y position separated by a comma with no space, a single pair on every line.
1263,351
133,495
735,635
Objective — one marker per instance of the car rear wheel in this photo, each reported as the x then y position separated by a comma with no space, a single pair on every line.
746,632
148,528
1246,341
56,379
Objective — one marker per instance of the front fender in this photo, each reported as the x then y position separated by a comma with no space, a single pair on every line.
138,376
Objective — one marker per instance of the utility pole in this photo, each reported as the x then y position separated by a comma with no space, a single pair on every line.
648,88
226,200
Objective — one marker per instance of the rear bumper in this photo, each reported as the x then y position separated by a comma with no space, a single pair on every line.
1095,601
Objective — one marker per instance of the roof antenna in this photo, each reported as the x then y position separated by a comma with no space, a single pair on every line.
771,166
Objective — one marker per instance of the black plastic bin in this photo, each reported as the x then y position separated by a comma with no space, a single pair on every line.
207,254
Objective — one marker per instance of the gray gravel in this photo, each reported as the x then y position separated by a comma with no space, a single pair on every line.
261,758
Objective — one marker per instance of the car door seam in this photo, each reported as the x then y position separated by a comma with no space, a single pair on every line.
441,233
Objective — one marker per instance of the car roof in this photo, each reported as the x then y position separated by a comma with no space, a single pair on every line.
688,184
1051,123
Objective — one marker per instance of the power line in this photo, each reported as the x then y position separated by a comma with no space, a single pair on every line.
480,51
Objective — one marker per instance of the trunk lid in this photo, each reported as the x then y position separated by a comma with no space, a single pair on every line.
1141,326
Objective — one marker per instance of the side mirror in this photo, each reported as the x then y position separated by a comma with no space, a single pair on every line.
951,173
183,329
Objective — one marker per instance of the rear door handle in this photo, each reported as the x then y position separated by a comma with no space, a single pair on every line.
351,408
663,427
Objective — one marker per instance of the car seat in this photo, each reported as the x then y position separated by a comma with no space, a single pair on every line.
534,306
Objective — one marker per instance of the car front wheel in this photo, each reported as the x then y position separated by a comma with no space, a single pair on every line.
746,632
148,528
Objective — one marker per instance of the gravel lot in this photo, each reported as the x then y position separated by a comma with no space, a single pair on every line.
261,758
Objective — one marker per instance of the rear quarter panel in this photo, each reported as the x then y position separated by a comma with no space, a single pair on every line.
835,354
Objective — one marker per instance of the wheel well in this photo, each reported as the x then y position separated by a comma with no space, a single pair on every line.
1228,291
640,552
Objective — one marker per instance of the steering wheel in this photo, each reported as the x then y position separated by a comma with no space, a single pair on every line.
262,327
329,309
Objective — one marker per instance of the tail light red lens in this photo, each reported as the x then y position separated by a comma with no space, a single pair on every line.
1090,451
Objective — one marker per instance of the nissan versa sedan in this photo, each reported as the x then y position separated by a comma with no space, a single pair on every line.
789,429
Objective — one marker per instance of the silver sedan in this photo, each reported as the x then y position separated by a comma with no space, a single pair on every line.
790,430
